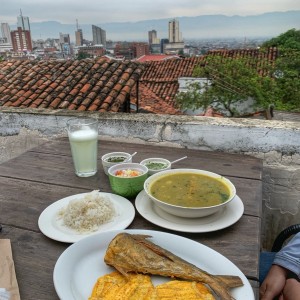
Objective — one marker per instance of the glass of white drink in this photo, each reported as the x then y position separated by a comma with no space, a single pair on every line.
83,137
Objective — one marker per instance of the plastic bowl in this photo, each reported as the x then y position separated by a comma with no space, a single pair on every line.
127,187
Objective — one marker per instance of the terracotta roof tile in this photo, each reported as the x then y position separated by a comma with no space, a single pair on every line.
66,84
102,84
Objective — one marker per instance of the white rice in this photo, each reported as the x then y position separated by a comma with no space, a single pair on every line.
87,213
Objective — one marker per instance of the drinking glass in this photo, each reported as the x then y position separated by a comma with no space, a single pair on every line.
83,137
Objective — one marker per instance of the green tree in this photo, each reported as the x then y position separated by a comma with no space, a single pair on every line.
287,40
231,81
234,80
286,69
83,55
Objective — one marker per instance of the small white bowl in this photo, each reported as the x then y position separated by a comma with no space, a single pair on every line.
156,164
106,163
184,211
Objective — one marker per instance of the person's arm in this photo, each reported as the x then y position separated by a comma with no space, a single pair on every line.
285,261
289,256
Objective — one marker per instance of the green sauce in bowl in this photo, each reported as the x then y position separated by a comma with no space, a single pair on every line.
116,159
155,165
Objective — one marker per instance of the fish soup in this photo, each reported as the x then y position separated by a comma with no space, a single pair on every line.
190,190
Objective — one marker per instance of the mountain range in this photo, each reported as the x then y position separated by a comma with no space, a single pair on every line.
200,27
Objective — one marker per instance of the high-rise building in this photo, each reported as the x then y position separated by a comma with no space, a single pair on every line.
21,40
174,33
154,42
65,42
23,22
78,37
152,37
99,36
5,30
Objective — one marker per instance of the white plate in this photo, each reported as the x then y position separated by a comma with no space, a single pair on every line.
77,269
54,228
222,219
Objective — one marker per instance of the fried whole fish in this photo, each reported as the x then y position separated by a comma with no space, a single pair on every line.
134,253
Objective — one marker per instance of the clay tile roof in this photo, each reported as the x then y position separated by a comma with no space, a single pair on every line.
157,57
97,85
103,84
262,56
148,102
161,77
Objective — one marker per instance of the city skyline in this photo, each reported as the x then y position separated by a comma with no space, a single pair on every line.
105,11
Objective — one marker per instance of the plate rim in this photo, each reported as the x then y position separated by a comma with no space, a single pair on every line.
95,241
68,238
202,228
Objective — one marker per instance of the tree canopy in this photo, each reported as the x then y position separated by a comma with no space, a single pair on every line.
232,81
287,69
287,40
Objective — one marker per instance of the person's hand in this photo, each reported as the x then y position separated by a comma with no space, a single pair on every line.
291,290
274,283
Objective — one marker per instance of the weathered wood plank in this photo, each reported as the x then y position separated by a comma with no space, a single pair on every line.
34,257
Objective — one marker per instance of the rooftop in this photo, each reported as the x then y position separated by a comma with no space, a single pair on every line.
104,85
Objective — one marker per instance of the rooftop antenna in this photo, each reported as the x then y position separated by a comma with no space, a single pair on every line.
77,27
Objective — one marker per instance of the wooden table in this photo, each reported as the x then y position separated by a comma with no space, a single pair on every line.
32,181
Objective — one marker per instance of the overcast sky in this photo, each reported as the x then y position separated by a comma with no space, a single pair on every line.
106,11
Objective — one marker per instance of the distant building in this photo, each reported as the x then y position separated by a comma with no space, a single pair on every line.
93,51
155,48
154,42
124,50
23,22
21,40
65,43
152,37
99,36
5,30
175,44
130,51
4,46
174,33
163,43
78,37
140,49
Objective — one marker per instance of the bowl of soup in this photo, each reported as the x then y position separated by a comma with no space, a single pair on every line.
189,193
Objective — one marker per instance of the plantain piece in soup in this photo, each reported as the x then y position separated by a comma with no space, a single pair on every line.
134,253
115,286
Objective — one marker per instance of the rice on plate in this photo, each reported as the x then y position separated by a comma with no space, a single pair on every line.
87,213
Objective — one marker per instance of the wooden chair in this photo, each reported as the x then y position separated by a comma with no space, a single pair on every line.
266,258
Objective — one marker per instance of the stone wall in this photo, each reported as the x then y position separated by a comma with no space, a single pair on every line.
276,142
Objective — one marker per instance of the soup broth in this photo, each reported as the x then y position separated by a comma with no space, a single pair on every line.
190,190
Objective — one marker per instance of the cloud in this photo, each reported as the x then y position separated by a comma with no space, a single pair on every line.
106,11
